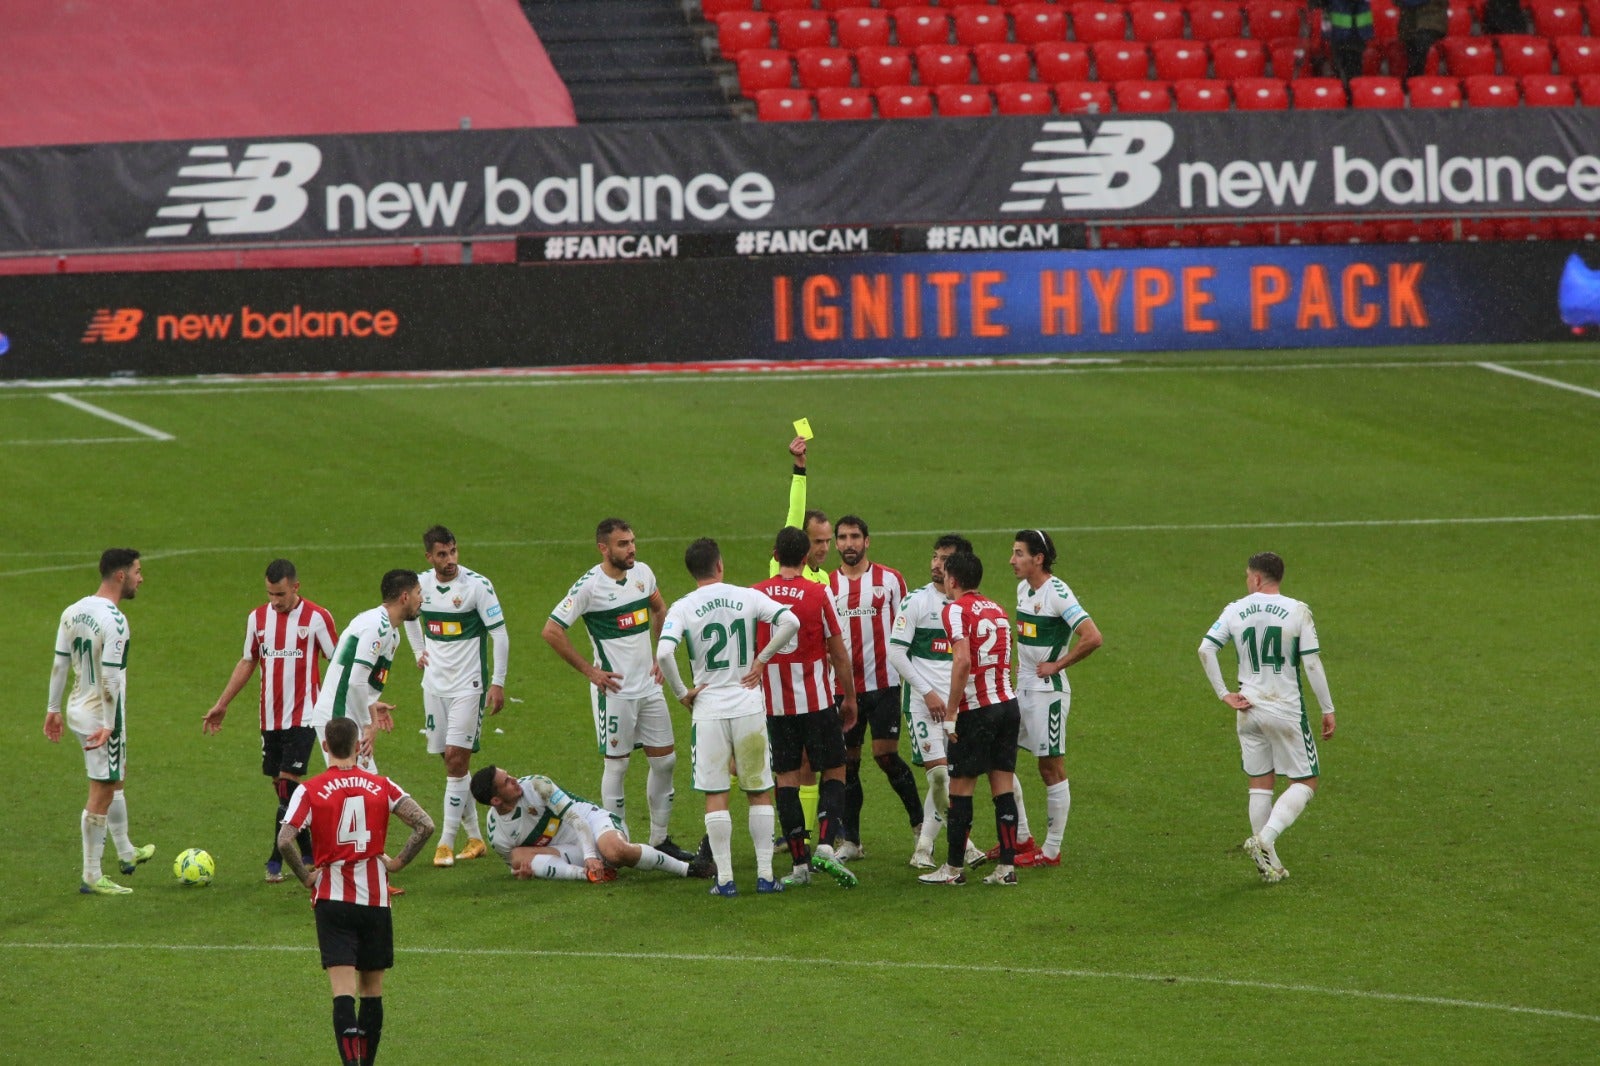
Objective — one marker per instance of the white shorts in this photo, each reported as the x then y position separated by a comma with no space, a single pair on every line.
714,742
367,763
1276,744
928,737
621,725
1043,731
597,821
456,721
108,762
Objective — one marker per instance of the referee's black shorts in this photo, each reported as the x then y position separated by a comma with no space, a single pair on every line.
985,740
287,751
879,708
818,735
354,934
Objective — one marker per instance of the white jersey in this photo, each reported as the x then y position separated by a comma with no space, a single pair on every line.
93,636
364,653
717,624
538,823
919,628
617,616
1271,633
457,616
1047,617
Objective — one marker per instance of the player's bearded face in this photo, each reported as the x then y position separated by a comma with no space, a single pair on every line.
936,568
444,559
852,546
413,603
622,551
132,578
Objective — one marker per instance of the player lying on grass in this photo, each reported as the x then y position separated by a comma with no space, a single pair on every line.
542,831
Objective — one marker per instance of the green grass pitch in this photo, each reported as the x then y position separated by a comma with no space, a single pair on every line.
1440,517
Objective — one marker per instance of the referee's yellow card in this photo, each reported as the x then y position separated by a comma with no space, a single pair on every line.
802,428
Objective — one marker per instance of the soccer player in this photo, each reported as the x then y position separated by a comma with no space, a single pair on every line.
717,623
360,665
1049,616
919,650
981,718
803,724
867,595
346,809
463,620
1274,637
542,831
622,609
284,636
92,642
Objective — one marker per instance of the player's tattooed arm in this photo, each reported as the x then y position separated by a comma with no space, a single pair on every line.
421,825
289,849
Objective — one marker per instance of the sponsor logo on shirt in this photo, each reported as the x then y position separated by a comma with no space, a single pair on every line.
444,629
381,676
940,646
1029,629
494,612
634,618
286,653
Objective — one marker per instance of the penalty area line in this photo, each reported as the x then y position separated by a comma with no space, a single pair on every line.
111,416
1049,972
1554,383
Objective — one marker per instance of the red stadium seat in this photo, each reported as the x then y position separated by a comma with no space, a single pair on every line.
1285,234
738,31
825,66
1083,97
1239,57
1430,92
1272,19
1231,235
1142,95
1175,60
1169,237
1556,18
896,5
1467,56
1351,232
1062,61
841,5
1291,57
772,7
803,29
1578,229
710,9
1474,230
1520,55
1376,92
1458,23
981,25
764,68
1413,231
883,66
1261,94
944,64
1120,60
783,105
1215,20
1023,98
998,63
1491,90
1118,237
1093,20
1155,20
1526,229
1201,94
964,101
1318,94
915,26
1385,21
1548,90
1589,89
844,103
1578,55
904,101
1036,23
861,27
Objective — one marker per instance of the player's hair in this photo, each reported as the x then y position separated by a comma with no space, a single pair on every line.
483,783
701,558
791,547
436,535
1269,565
397,583
813,516
114,559
608,526
852,520
953,541
1038,542
278,570
965,569
341,735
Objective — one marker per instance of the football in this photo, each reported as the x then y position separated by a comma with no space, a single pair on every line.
194,867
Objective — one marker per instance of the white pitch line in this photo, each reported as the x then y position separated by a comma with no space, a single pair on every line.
111,416
864,964
1182,527
77,440
1552,382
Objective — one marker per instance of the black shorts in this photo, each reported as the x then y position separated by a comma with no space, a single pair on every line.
881,709
287,751
986,740
354,934
817,735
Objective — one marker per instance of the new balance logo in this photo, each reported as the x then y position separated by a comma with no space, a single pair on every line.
1114,168
113,327
262,194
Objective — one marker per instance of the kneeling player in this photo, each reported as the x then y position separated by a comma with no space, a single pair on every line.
542,831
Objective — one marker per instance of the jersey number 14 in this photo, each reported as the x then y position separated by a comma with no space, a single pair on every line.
1271,652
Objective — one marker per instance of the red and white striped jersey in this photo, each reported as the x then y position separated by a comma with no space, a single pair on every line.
286,645
347,810
987,630
866,607
798,679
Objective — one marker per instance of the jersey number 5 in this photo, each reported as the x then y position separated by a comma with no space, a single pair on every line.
353,824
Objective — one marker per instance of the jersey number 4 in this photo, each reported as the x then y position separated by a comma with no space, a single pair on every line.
353,824
1271,653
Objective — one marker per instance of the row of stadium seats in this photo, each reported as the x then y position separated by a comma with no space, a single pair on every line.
1143,95
1394,231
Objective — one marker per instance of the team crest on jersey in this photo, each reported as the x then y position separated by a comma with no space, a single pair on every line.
455,601
302,631
639,585
261,634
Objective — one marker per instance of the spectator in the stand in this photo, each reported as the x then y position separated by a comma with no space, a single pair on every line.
1422,24
1347,27
1503,16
